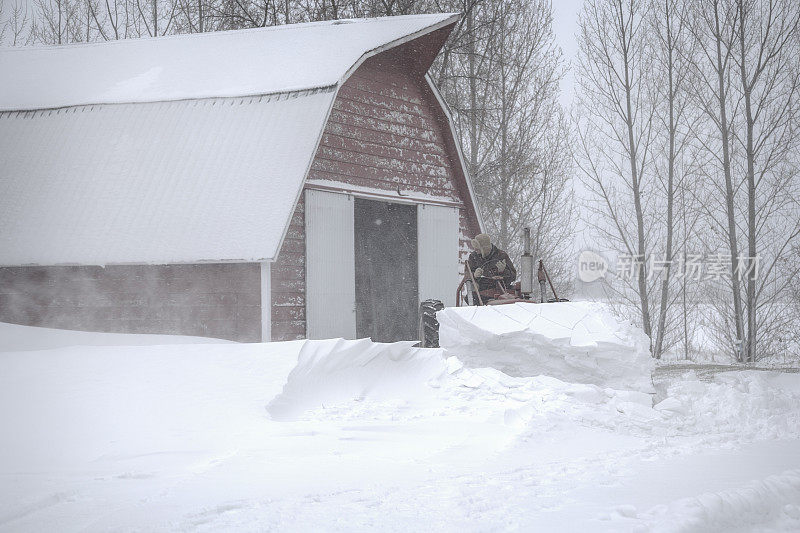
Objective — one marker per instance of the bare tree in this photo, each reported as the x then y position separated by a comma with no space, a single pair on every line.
111,18
156,16
712,24
767,39
465,72
689,226
500,72
616,129
60,21
672,50
18,25
3,24
523,97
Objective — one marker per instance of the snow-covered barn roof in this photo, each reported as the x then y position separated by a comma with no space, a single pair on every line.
219,64
166,182
178,149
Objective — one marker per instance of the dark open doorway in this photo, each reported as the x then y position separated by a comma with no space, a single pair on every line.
386,270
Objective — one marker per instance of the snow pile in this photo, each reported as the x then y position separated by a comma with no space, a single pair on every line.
748,405
737,407
772,504
535,406
577,342
334,377
359,378
334,371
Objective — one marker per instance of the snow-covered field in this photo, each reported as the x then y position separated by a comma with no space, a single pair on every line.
139,433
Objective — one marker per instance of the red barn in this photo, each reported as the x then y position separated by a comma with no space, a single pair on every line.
275,183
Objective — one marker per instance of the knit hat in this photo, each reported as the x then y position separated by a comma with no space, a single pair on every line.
483,243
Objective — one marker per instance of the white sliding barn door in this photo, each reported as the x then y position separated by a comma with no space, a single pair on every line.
437,237
330,266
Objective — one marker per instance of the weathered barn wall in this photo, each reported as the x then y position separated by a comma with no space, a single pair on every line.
208,300
288,281
386,131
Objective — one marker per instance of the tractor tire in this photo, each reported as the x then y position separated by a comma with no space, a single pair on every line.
428,325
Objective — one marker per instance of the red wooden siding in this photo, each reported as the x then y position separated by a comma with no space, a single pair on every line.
395,142
288,281
386,131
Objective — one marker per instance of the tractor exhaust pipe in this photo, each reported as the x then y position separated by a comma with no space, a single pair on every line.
526,264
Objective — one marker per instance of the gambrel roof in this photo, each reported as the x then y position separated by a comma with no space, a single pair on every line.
210,65
177,149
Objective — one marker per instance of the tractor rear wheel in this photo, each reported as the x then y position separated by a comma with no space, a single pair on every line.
428,325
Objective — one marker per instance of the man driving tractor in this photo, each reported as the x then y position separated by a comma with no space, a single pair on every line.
490,265
489,278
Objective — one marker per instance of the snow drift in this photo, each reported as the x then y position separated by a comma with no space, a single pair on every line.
65,406
772,504
578,342
366,436
338,370
17,338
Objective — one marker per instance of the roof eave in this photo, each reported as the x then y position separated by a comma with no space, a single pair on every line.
457,142
451,19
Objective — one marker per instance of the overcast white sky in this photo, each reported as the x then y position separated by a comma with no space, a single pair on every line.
565,27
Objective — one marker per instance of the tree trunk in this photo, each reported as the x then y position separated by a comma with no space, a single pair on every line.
662,316
637,199
750,344
729,193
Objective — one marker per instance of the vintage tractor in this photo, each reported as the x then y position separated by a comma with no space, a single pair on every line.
467,293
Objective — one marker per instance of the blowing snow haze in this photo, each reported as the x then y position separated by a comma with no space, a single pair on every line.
236,256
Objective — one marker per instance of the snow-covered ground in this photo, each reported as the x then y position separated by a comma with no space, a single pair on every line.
342,435
14,337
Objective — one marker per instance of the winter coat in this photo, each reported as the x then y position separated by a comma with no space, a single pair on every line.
489,266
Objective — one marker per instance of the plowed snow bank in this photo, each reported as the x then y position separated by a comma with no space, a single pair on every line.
334,376
578,342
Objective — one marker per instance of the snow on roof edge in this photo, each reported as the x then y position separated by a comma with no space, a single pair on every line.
124,89
303,181
449,19
275,94
187,36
